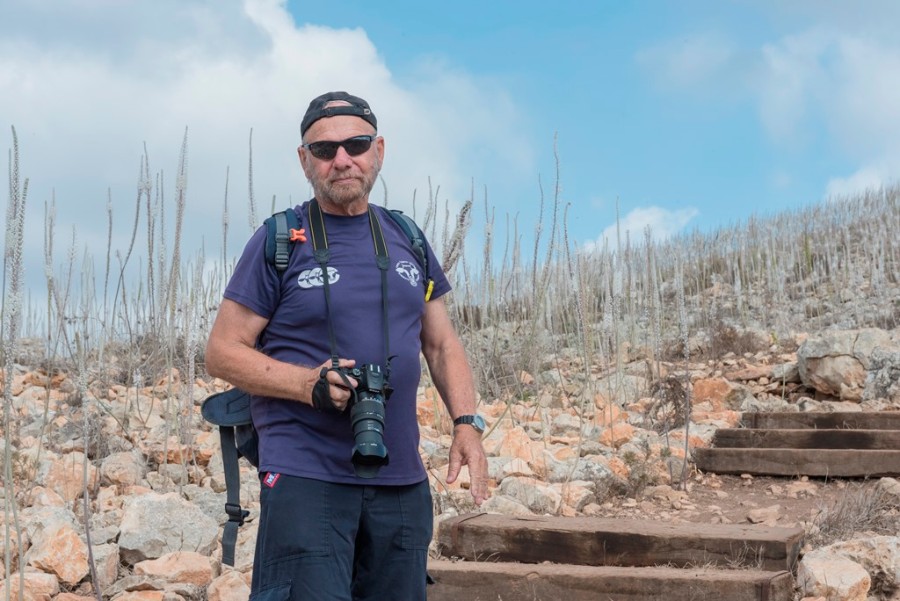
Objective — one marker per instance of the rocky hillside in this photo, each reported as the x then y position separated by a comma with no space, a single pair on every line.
600,376
109,494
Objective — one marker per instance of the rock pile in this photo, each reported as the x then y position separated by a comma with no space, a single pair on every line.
120,491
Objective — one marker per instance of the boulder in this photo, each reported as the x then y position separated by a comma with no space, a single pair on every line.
836,363
39,586
177,526
720,394
883,378
532,493
230,586
60,551
106,564
879,556
122,470
825,574
66,475
180,566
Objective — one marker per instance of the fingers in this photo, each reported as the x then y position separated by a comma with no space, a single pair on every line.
454,466
338,385
479,490
333,390
469,451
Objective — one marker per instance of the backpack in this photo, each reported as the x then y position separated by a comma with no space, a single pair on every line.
230,410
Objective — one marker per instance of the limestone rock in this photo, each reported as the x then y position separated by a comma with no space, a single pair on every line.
878,555
180,566
833,577
230,586
721,394
39,586
106,564
66,475
531,493
883,378
836,363
765,515
177,526
60,551
122,470
505,505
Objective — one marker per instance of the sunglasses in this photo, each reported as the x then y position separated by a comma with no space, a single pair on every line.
327,150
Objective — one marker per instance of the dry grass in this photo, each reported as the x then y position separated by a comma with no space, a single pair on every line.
864,508
521,301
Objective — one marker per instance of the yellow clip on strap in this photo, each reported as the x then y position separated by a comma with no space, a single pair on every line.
428,290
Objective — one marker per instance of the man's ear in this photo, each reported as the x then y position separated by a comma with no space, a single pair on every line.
303,155
379,149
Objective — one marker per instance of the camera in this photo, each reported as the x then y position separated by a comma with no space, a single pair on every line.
367,419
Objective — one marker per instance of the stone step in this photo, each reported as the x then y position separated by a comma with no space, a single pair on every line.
617,542
742,438
493,581
832,463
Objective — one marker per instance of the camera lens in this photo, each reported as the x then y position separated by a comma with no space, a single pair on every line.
369,452
367,418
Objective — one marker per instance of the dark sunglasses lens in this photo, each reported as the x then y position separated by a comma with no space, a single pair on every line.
324,150
357,146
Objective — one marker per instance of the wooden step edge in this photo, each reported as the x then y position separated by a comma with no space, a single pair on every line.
618,525
874,420
617,542
488,581
819,463
804,438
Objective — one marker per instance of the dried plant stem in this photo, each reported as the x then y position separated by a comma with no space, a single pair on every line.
10,324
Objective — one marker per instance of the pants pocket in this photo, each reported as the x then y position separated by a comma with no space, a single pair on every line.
418,521
277,592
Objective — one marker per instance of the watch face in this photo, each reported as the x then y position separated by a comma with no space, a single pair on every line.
478,423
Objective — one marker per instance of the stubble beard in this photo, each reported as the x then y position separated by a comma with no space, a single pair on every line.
346,193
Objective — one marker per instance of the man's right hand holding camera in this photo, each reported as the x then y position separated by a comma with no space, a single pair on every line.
331,390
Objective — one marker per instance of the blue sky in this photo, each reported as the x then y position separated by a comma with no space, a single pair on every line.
689,114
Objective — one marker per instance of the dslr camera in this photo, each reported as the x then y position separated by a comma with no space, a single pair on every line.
367,418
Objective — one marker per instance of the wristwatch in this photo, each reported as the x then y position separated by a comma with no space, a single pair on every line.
476,421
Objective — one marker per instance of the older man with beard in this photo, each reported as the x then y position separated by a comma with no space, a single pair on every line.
340,328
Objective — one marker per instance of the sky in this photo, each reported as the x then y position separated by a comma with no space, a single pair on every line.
674,115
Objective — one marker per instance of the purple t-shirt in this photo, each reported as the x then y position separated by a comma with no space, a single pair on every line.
295,439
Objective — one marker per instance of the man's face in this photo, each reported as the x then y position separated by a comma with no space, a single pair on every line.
342,184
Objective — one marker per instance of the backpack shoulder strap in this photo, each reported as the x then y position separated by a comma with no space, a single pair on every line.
417,242
282,230
236,513
228,410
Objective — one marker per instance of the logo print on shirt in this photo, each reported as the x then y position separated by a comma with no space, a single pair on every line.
312,278
408,271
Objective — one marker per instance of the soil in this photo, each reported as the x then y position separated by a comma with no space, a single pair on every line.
725,499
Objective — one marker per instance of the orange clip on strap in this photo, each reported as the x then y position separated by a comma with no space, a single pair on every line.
298,235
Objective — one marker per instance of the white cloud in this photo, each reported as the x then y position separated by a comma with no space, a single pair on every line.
791,71
687,61
662,222
87,82
842,83
867,178
828,79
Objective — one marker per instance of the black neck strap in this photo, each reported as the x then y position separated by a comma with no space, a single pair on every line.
322,255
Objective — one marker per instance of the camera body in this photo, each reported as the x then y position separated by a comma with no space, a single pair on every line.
367,419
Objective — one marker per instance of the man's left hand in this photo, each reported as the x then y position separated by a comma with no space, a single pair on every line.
467,449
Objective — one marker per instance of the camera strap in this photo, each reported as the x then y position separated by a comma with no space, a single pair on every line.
322,255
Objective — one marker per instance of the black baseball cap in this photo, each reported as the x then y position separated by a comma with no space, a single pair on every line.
317,110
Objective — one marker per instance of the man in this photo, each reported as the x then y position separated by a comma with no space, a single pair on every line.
290,339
